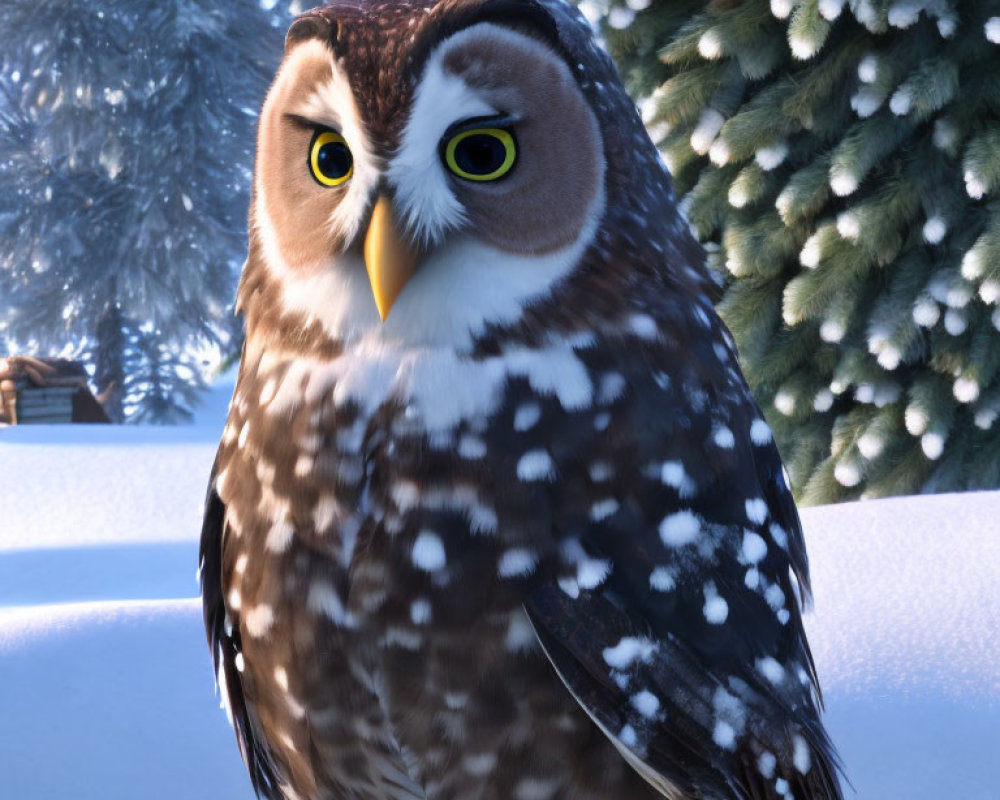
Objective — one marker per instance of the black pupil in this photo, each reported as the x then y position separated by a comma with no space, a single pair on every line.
333,160
480,154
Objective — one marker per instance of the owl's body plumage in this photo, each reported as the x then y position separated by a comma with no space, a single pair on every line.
512,527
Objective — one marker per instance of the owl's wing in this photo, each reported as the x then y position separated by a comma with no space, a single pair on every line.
224,643
674,614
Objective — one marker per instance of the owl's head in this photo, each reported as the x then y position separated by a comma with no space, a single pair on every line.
428,172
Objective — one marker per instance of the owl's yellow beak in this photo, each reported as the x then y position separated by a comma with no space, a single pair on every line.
390,260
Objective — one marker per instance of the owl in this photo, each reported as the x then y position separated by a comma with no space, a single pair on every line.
494,515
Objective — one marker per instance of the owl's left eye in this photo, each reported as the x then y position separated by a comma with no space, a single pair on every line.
480,154
330,159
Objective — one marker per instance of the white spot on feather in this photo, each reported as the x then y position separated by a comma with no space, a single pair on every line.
267,393
612,387
420,611
516,562
279,536
471,448
723,437
760,432
406,495
643,326
327,509
662,579
800,754
244,434
281,678
680,528
716,609
646,703
780,535
628,650
520,634
754,547
775,597
536,465
603,509
592,572
771,669
479,764
724,735
756,510
428,552
628,736
526,416
673,474
259,620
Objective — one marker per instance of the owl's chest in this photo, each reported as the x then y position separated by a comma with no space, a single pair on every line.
377,558
380,600
405,478
401,520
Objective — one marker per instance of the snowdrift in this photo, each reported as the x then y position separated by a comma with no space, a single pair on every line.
106,686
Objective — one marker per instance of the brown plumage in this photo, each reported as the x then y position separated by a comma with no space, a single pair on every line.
520,530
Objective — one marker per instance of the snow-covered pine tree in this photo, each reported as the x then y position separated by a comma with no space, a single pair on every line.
162,380
841,163
126,141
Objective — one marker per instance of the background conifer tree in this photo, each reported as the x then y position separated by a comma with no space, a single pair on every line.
126,147
841,163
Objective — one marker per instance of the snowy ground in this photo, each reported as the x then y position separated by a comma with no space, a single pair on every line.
106,687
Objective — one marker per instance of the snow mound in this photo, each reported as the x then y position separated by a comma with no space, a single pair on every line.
112,701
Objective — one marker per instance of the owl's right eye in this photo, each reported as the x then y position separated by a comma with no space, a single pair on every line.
330,159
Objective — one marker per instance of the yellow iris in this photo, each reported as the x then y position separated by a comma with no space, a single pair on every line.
481,154
330,158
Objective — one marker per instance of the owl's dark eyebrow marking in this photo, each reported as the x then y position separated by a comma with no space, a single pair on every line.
307,124
495,121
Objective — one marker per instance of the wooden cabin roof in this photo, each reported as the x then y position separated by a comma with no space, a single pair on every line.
29,374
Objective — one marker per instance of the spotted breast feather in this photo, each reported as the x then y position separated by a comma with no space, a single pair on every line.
638,528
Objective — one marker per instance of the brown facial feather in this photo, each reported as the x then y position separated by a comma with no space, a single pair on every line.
543,203
299,207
